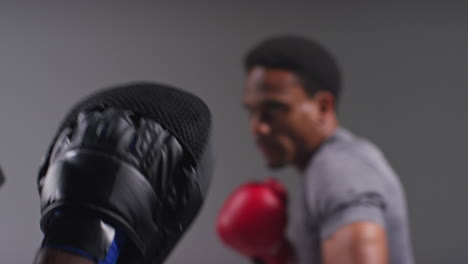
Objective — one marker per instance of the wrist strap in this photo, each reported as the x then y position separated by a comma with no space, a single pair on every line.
84,234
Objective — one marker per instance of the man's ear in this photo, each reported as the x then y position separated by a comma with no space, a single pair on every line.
326,102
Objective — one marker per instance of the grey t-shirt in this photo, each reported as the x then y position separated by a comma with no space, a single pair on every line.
347,180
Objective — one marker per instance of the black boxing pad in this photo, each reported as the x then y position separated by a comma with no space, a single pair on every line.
2,177
136,156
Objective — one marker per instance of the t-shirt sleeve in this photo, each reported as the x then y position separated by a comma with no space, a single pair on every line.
344,190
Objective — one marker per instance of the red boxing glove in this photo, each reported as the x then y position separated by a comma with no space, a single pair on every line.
253,222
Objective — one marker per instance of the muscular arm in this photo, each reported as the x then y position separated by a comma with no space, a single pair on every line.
53,256
356,243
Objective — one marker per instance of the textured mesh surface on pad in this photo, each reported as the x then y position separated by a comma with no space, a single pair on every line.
180,112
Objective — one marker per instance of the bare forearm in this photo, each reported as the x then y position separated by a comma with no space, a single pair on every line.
358,243
53,256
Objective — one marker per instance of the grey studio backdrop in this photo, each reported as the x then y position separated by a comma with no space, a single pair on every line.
405,88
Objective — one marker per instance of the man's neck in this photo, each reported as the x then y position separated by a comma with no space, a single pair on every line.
328,131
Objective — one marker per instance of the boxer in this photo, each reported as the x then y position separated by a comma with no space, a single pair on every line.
351,206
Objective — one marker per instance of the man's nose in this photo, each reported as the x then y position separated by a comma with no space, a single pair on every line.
259,126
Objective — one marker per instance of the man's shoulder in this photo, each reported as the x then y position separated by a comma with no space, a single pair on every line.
346,154
346,145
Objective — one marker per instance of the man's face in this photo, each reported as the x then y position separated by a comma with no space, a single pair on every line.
284,119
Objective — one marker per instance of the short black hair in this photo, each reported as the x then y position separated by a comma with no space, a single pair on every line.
309,60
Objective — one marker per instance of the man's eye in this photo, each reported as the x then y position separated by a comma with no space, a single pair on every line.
275,107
